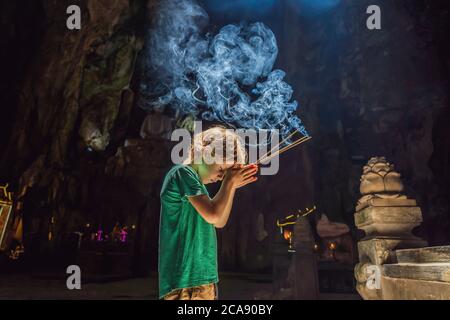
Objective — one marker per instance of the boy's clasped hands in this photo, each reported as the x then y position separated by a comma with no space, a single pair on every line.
241,175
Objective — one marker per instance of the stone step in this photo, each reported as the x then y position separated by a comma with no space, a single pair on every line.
424,255
438,271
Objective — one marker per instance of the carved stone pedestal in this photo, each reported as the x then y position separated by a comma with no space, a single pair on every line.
387,218
388,221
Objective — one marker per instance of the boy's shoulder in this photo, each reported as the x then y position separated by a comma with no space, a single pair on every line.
180,179
181,171
180,168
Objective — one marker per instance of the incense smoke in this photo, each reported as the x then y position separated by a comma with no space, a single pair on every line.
226,77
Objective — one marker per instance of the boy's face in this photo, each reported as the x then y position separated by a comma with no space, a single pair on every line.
210,173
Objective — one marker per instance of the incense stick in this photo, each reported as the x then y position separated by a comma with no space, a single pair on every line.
276,146
280,150
292,145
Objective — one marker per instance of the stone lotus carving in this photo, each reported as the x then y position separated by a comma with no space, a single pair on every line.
381,185
379,176
382,209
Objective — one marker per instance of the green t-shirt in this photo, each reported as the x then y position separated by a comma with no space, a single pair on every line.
187,243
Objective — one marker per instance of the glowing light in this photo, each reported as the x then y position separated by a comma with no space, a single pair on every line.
6,198
292,219
287,234
123,235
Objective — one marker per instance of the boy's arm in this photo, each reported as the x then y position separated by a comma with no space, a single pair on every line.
228,205
216,211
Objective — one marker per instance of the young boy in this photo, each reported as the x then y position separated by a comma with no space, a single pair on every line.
187,240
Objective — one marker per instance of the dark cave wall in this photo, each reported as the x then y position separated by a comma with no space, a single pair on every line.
71,104
367,93
75,81
361,93
21,30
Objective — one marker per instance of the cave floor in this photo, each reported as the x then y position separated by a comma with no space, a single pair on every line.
232,286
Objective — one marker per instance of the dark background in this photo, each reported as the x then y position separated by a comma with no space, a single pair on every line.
361,93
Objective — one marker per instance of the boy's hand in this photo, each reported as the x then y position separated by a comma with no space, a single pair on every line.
240,175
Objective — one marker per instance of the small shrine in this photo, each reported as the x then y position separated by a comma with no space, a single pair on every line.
394,263
10,224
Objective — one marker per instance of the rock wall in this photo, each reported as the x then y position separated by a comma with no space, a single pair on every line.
71,114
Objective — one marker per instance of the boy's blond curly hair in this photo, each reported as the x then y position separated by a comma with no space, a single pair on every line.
223,144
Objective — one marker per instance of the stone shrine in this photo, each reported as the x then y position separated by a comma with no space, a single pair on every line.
393,263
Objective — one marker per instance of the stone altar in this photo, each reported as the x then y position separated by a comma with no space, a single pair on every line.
393,263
